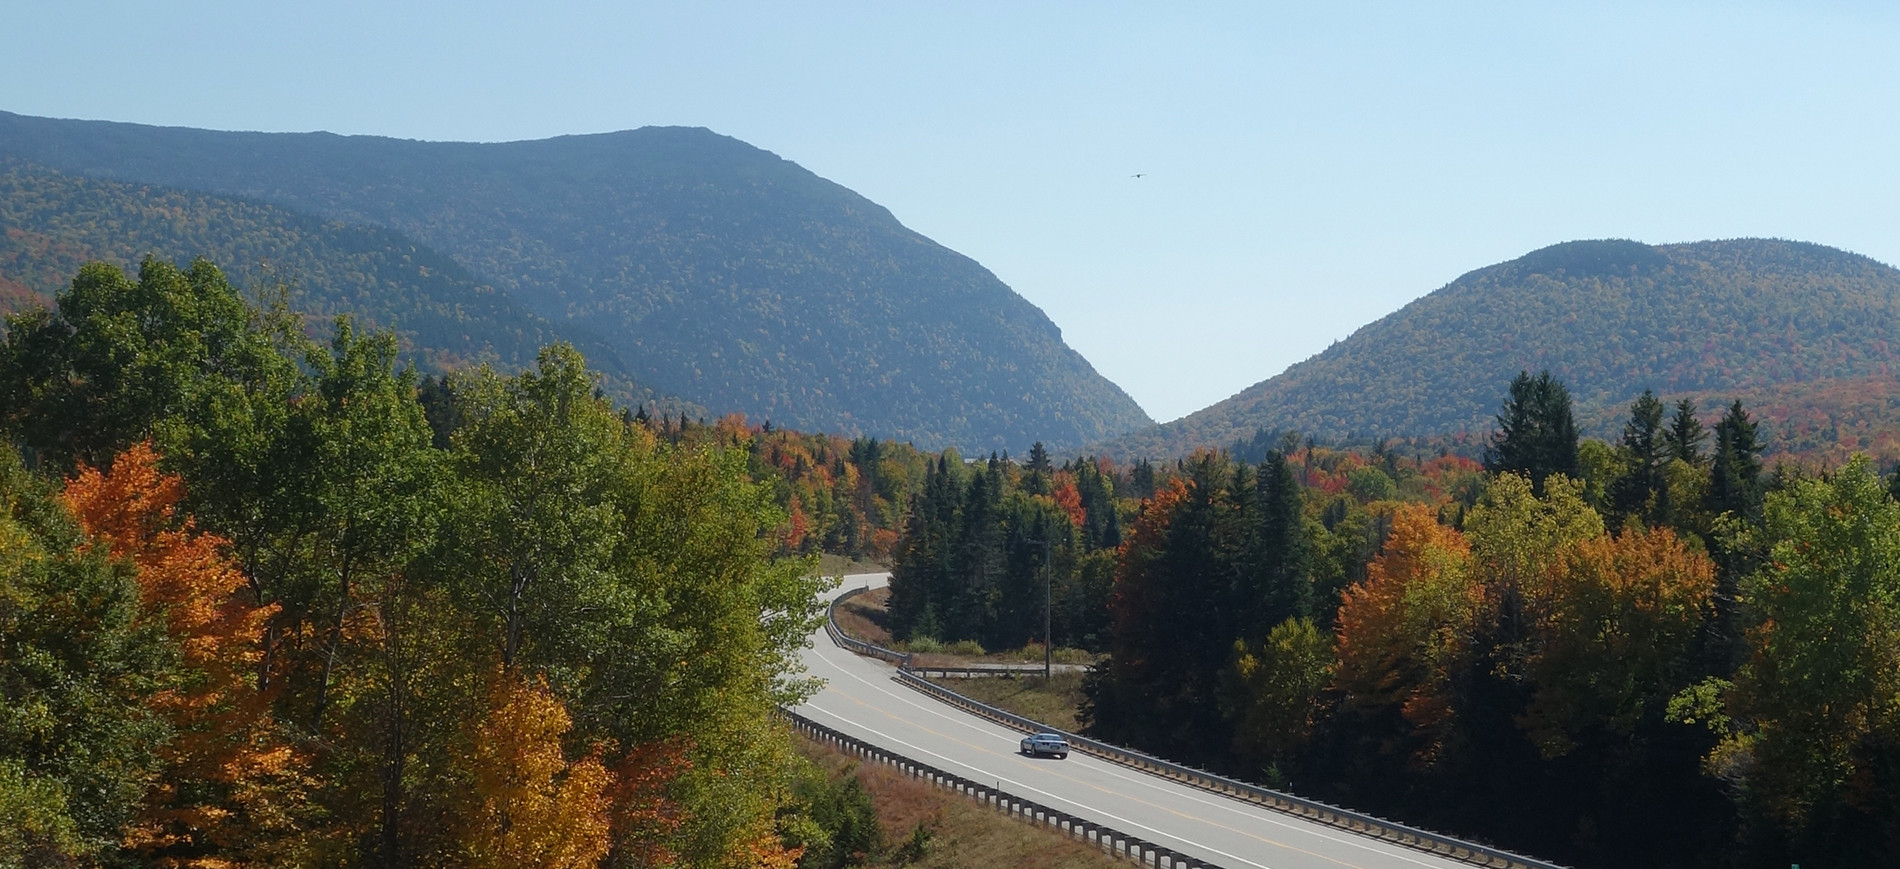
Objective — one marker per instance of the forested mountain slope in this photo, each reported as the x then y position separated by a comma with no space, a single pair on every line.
717,271
1758,319
51,223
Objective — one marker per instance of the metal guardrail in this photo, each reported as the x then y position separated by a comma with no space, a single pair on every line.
979,671
846,641
1109,839
1359,822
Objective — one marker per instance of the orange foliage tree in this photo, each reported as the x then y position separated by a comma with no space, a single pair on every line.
1405,630
230,782
1069,498
644,816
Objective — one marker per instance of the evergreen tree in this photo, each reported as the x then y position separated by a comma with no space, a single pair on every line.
1192,629
921,576
1639,492
1284,586
1036,482
1103,528
1735,489
1685,435
1735,477
1142,479
1537,432
437,397
1038,540
967,605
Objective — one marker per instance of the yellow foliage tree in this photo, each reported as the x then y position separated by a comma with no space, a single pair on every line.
1618,634
532,808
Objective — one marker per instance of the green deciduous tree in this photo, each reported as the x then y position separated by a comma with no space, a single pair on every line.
1271,691
117,356
1817,705
80,660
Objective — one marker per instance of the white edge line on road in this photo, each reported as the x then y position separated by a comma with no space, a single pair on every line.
950,714
1271,816
1184,843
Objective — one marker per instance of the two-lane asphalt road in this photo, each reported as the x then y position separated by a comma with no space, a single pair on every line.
861,698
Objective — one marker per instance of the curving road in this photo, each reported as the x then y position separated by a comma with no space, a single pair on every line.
861,698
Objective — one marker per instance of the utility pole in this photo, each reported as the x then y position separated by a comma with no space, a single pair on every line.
1048,607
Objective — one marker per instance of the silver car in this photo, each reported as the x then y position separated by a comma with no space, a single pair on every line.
1046,743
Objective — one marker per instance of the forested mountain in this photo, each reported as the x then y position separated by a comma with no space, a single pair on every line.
717,271
51,223
1712,321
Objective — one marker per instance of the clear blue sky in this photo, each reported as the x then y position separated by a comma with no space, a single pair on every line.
1310,167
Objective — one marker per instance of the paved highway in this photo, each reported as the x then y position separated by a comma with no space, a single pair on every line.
861,698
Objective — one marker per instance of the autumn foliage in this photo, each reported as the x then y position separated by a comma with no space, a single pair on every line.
229,776
1404,631
531,806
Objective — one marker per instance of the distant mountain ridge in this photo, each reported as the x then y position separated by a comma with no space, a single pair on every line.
52,223
1708,320
717,271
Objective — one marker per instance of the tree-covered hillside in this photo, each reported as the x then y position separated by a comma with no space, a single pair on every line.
51,223
718,271
262,605
1713,321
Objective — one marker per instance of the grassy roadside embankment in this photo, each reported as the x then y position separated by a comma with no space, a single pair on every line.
1053,701
841,565
955,832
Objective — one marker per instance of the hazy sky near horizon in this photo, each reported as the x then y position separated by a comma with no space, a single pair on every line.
1308,167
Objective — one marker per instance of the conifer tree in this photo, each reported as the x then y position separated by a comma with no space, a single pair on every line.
1735,489
1685,435
1036,482
1639,492
1286,589
1103,528
1537,433
978,558
1192,572
1735,478
1142,479
921,575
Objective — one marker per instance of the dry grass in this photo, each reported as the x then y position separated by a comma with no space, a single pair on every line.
840,565
961,833
865,618
1052,701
